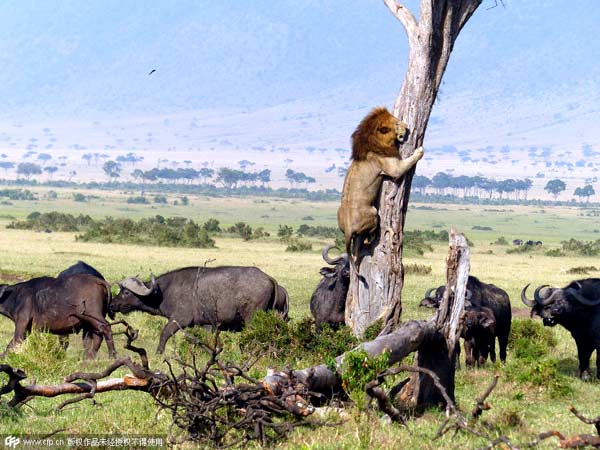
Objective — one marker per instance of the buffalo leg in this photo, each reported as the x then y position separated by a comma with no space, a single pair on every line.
102,328
169,330
91,343
493,349
502,343
21,329
584,352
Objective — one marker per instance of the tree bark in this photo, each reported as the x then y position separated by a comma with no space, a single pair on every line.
431,40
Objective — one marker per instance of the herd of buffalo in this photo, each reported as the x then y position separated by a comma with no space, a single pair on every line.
79,299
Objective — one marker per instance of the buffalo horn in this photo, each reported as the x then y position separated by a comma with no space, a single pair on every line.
136,286
326,257
544,298
524,298
581,299
428,293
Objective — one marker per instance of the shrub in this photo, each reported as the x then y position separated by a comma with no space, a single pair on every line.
318,231
357,369
260,233
555,252
17,194
212,226
417,269
501,241
242,229
480,228
79,197
530,340
160,199
171,232
296,245
53,221
285,232
588,248
138,200
582,270
185,201
266,330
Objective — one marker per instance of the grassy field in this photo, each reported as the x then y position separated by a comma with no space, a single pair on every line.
520,408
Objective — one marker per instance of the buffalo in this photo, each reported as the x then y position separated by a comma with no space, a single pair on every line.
60,306
328,301
478,332
577,308
517,242
481,295
80,268
225,297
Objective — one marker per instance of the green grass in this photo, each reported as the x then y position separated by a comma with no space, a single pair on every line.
521,409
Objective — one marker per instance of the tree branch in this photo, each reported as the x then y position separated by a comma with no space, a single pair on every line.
403,14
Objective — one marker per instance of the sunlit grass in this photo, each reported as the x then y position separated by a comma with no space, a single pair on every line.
520,410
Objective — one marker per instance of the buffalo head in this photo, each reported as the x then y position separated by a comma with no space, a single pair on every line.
340,264
134,295
556,304
434,296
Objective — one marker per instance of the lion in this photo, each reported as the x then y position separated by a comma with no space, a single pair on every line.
375,153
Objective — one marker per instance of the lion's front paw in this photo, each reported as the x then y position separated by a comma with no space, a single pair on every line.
419,153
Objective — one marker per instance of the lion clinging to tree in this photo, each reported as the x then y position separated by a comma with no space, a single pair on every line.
375,153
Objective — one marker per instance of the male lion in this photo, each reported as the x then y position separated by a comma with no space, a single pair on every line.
375,153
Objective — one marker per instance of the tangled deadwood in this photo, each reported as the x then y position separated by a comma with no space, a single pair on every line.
204,400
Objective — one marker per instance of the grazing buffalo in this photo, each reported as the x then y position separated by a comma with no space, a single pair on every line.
328,302
225,297
481,295
577,308
61,306
517,242
80,268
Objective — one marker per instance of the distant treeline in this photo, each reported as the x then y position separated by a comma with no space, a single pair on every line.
442,188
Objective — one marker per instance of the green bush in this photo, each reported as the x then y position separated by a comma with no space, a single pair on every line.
53,221
138,200
17,194
318,231
587,248
501,241
296,245
582,270
555,252
266,330
161,199
530,340
79,197
242,229
212,226
171,232
417,269
285,232
357,369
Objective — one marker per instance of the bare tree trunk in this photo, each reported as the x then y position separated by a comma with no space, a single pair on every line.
430,43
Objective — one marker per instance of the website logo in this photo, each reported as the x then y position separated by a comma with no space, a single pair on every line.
11,441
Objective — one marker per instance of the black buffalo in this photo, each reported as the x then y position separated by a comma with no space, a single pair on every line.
577,308
225,297
60,306
517,242
482,295
80,268
328,301
479,332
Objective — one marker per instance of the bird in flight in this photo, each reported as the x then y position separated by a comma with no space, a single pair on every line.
152,71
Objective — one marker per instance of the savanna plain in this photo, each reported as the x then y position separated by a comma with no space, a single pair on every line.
537,383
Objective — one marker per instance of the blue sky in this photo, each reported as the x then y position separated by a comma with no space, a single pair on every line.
70,58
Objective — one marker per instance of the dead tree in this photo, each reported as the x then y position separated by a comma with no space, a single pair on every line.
431,40
434,340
